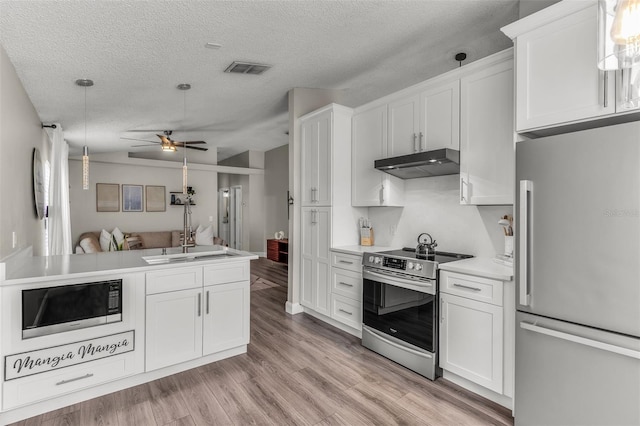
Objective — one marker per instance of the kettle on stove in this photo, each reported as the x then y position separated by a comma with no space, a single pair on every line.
426,248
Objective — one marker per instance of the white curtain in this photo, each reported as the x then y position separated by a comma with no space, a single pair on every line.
59,212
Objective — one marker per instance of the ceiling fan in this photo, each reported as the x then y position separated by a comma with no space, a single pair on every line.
169,145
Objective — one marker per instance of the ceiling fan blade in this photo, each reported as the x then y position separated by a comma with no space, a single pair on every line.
141,140
136,146
197,147
188,143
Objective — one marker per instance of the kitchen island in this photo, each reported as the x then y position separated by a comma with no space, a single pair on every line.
145,321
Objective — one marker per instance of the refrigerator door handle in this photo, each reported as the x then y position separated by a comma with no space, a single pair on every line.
580,340
526,187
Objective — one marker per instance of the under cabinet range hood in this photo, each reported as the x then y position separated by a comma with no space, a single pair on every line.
422,164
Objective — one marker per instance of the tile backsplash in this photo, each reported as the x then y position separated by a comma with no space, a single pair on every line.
432,205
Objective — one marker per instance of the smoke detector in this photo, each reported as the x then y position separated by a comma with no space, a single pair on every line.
247,68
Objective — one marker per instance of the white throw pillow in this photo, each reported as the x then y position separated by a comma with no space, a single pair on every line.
118,238
204,236
105,241
89,245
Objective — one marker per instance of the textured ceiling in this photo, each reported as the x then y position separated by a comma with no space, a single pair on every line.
138,51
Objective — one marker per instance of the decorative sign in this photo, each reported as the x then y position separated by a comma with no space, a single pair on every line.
48,359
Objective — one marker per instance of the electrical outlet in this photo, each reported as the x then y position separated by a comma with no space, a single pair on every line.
210,218
14,239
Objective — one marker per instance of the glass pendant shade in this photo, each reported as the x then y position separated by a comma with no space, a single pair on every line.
85,167
618,34
184,176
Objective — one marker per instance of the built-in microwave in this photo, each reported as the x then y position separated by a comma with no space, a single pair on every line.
51,310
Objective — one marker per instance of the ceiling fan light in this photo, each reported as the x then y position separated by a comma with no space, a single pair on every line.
168,148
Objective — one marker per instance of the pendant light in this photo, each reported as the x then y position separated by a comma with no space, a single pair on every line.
619,44
85,82
184,87
618,34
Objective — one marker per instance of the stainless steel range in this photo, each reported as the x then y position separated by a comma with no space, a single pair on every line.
400,307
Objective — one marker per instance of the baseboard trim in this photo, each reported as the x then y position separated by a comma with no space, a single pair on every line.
293,308
354,332
503,400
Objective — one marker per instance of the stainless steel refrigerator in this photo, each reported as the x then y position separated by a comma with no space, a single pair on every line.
578,278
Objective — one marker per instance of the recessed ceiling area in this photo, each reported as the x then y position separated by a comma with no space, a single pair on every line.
137,52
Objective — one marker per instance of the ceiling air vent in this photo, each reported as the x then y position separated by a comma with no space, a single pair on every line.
247,68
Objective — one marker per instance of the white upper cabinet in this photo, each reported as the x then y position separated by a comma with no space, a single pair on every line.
404,126
316,160
371,187
426,120
326,156
487,157
440,117
557,78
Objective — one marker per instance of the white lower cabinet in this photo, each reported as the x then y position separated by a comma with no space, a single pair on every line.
316,240
37,387
187,324
475,333
471,340
226,317
346,289
174,328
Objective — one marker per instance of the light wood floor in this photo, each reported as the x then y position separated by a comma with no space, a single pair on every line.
297,371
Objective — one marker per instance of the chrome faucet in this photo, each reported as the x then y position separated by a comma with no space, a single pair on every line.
187,239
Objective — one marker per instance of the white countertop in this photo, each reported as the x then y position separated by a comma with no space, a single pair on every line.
479,266
26,269
358,250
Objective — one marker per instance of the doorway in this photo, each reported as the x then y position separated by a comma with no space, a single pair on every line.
230,216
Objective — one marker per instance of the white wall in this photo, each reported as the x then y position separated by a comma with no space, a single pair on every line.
20,133
432,206
84,216
276,184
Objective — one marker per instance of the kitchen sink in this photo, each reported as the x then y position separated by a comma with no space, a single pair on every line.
177,257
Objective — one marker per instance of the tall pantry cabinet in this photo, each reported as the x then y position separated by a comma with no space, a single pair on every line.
327,218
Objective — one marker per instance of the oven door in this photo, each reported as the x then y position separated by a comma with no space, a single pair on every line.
400,307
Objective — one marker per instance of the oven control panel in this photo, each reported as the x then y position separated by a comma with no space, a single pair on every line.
394,263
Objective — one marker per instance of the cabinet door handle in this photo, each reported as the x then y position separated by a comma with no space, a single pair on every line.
382,195
441,309
207,311
467,287
199,304
605,91
462,184
345,261
64,382
347,284
526,188
415,143
345,312
423,146
629,85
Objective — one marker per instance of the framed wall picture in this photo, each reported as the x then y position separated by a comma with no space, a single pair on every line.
131,198
107,197
155,198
